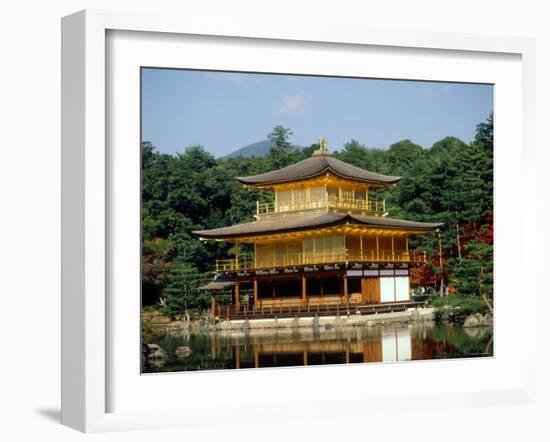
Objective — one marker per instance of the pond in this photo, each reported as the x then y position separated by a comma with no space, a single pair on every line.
317,346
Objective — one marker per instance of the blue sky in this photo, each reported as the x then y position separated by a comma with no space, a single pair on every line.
226,111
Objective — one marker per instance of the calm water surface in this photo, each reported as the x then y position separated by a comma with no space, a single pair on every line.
317,346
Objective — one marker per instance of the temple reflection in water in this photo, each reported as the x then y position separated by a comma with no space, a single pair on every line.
318,346
388,346
329,347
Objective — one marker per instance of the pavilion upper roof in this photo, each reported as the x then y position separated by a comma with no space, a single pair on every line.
314,166
293,223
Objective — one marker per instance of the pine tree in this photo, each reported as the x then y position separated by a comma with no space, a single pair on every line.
281,153
473,275
181,291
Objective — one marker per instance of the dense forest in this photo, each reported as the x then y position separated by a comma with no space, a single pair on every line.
450,182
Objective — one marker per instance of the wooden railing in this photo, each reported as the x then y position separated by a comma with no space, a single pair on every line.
299,308
225,265
336,256
376,208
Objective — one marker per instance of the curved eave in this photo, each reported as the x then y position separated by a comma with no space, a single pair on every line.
316,166
299,224
249,182
272,226
396,224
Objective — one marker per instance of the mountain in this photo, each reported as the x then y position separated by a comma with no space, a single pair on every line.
258,149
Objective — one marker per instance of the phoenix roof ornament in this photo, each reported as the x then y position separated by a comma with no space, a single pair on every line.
322,148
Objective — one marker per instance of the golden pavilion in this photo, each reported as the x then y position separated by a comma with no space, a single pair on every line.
321,247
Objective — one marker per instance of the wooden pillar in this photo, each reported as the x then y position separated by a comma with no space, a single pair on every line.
364,290
237,295
361,245
256,358
272,290
238,356
255,291
304,288
377,248
392,249
305,356
346,294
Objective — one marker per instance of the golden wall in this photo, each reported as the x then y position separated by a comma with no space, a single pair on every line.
327,249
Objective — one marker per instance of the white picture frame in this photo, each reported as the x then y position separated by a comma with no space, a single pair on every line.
86,206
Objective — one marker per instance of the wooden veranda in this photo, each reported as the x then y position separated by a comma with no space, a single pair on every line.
293,310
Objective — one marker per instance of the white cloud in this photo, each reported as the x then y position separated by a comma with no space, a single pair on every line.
292,104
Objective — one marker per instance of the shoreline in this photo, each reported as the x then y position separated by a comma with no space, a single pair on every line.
156,324
372,320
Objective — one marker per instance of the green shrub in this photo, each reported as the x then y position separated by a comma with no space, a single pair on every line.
455,308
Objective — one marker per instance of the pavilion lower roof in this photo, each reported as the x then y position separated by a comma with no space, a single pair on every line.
216,285
296,223
315,166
